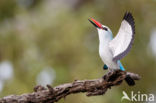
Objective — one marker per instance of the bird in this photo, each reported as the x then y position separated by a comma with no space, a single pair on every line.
112,50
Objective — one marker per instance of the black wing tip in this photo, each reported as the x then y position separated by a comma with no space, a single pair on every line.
129,18
130,81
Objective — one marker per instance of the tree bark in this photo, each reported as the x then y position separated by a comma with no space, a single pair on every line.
91,87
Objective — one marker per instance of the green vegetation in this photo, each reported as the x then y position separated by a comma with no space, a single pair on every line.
36,34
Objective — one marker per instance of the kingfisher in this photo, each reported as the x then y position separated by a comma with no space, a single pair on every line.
112,50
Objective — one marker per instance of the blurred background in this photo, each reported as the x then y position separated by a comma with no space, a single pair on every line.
52,42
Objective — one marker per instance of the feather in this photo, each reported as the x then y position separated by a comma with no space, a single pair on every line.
122,42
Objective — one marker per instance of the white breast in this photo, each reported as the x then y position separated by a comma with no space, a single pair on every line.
105,52
107,57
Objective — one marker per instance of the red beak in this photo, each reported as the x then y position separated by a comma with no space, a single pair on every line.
95,23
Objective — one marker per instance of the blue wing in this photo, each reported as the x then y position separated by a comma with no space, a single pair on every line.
120,65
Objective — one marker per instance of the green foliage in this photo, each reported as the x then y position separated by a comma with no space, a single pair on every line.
56,33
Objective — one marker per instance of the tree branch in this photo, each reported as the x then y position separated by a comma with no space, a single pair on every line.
91,87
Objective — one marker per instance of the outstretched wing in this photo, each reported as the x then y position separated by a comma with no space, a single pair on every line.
122,43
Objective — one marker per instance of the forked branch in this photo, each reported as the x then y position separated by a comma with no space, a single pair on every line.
91,87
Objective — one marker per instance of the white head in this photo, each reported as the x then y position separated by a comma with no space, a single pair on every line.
105,34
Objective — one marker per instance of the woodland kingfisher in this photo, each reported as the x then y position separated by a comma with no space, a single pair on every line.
112,50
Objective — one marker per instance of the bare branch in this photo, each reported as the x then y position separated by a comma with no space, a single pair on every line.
91,87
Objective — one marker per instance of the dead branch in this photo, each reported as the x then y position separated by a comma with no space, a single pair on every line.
91,87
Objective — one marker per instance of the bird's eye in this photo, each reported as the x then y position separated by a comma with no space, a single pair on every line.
105,28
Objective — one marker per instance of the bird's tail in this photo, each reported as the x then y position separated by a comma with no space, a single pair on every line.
129,81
